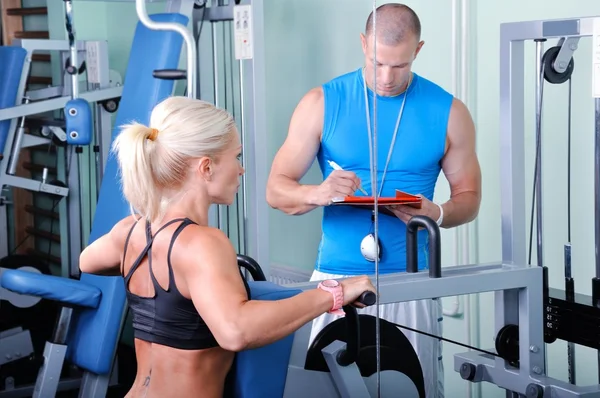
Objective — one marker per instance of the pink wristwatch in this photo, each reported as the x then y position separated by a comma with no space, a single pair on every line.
335,288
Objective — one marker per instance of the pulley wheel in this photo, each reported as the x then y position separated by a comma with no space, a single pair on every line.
396,351
39,319
507,343
550,74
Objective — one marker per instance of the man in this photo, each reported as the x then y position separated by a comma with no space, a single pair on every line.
421,130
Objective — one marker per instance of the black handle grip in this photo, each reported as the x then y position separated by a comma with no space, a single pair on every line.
170,74
350,354
435,251
367,298
252,266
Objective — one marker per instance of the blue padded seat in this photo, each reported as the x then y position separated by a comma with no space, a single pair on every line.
68,291
261,372
12,60
95,332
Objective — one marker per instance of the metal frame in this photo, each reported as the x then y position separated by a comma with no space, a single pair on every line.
525,282
252,123
518,288
50,99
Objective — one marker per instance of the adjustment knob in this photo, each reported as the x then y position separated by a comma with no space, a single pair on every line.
467,371
534,391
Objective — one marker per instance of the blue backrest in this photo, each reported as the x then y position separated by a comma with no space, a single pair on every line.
95,334
261,372
12,60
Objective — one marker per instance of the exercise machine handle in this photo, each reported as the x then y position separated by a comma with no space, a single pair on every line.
252,266
368,298
169,74
350,354
435,252
190,42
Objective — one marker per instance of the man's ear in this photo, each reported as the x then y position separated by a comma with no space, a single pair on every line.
205,168
419,46
363,42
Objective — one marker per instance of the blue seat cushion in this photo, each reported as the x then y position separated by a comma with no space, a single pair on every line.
12,60
261,372
95,334
70,292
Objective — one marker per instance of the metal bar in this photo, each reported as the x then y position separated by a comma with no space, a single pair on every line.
74,211
216,99
597,185
140,6
72,48
245,153
217,13
33,185
257,157
58,103
512,148
454,282
539,81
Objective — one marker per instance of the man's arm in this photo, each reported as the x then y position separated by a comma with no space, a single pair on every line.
296,155
461,168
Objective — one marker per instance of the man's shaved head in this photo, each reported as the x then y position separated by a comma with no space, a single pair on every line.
396,23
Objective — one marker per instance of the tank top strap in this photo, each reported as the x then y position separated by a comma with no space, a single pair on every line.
149,241
179,229
126,245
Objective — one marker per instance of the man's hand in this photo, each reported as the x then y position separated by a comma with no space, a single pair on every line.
406,212
338,184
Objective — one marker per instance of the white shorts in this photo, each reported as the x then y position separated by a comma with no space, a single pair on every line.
424,315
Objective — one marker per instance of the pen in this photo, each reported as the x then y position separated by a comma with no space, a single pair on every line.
336,166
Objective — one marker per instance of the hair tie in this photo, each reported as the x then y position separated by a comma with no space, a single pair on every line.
153,134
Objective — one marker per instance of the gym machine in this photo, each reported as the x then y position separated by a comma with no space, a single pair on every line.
528,314
81,134
93,308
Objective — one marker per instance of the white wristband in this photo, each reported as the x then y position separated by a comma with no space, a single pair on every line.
441,218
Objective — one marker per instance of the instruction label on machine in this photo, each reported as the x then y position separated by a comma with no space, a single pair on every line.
596,59
242,27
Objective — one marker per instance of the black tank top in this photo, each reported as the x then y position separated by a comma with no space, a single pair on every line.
167,318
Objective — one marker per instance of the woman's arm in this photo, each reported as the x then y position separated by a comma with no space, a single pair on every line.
103,256
213,279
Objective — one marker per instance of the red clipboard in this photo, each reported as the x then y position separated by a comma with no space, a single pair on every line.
401,198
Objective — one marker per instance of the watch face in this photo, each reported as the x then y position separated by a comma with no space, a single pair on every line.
330,283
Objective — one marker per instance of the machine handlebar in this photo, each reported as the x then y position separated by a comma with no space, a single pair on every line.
350,354
367,298
435,252
169,74
252,266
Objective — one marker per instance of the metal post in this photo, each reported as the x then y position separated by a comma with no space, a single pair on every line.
216,87
245,152
539,81
597,196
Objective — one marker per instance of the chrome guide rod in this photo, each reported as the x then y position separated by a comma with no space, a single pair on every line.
374,192
539,45
216,86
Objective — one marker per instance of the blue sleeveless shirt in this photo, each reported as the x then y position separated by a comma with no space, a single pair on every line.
414,167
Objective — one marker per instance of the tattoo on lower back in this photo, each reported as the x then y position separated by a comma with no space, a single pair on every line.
147,380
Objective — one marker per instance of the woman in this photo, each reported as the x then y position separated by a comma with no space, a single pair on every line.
190,304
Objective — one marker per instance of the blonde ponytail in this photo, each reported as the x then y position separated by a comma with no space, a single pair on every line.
133,150
154,159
